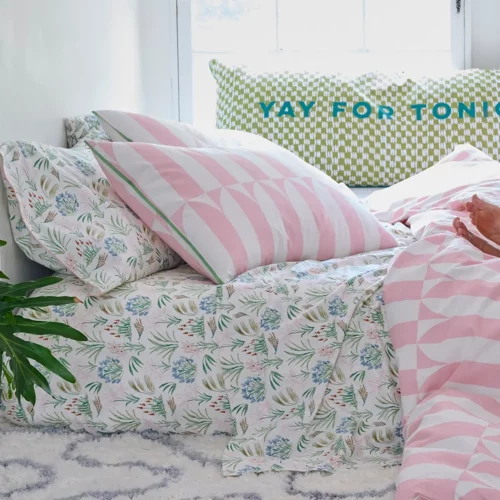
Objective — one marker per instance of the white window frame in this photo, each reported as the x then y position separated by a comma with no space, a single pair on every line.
181,51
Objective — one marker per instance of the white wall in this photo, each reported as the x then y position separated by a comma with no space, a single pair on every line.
156,45
485,24
65,57
60,58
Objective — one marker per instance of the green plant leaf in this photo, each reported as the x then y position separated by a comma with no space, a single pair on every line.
38,378
22,380
17,349
7,374
21,289
21,376
9,318
25,325
10,303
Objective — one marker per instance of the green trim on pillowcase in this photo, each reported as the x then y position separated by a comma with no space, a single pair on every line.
158,211
109,124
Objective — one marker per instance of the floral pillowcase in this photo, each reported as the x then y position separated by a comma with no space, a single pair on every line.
83,127
65,216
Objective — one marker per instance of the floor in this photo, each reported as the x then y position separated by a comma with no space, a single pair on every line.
51,464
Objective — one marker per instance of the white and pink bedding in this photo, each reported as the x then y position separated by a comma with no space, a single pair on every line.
442,299
293,360
229,210
452,448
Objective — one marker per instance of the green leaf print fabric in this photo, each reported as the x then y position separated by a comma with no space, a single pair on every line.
291,360
311,386
65,215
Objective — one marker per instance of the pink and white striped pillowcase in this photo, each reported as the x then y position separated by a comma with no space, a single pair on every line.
122,126
226,211
452,449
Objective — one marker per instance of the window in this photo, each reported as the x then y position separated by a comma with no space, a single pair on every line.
354,36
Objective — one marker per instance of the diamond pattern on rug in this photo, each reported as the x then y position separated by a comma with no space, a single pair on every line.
49,464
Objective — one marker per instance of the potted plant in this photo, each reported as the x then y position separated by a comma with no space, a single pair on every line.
16,353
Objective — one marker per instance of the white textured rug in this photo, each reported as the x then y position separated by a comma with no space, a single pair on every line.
55,465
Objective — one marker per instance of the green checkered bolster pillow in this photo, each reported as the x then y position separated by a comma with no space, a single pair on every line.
372,130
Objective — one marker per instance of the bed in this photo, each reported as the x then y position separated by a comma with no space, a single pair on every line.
304,366
168,352
174,352
164,351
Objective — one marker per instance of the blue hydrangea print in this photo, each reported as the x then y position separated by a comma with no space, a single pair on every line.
110,370
371,357
85,167
282,289
20,226
66,310
324,468
279,447
253,389
245,278
27,149
271,319
67,203
139,305
249,468
347,426
399,431
209,304
115,246
301,275
184,370
322,372
337,307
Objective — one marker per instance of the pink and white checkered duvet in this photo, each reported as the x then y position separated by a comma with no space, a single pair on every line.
442,300
452,448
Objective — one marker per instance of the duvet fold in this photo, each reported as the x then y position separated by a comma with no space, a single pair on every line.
302,392
292,362
442,298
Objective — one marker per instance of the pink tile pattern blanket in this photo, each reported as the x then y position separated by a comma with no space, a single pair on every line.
442,298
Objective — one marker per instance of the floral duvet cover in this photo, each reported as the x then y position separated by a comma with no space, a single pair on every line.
291,360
